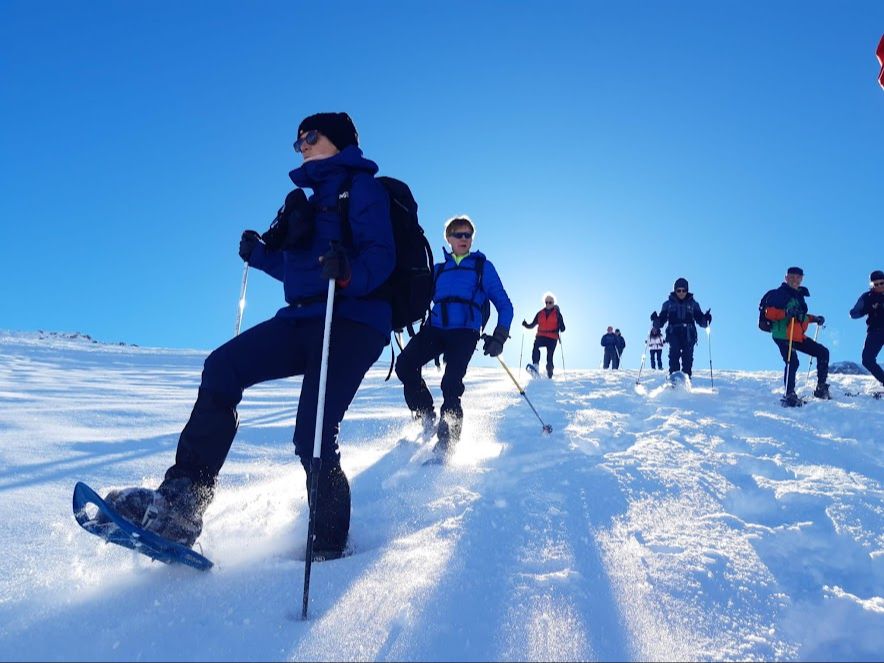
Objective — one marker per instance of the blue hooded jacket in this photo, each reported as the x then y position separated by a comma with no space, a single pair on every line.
372,256
460,282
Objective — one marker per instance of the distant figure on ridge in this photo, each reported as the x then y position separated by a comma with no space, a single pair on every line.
610,342
550,324
655,347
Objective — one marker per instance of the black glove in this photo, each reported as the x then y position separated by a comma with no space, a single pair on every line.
494,343
247,243
708,315
525,325
796,313
293,225
654,316
335,264
820,320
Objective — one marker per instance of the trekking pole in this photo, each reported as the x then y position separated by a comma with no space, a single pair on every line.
316,461
642,365
709,343
810,363
546,427
522,349
242,299
788,357
563,354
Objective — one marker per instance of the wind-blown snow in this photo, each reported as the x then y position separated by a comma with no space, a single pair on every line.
652,524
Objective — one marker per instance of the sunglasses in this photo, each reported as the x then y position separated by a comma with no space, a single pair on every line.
311,138
878,284
681,290
466,234
550,303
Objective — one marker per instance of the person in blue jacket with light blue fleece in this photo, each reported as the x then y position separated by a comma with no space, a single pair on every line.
465,283
307,245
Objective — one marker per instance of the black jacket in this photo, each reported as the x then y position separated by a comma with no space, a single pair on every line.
870,303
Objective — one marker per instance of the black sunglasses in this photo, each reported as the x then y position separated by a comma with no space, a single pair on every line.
311,138
466,234
681,290
878,284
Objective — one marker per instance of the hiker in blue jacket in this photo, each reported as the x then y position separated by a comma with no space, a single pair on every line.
464,284
681,313
304,248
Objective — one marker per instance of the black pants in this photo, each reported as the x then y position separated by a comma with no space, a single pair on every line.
874,342
456,347
280,348
809,347
550,345
612,359
681,353
657,358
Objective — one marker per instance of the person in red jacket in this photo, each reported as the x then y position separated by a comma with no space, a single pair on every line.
549,323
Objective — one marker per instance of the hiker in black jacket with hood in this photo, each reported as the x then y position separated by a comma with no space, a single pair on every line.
683,314
871,304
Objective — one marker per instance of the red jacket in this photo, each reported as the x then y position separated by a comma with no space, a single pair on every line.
548,323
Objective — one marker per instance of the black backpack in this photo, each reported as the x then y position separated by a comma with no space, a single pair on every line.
409,288
764,324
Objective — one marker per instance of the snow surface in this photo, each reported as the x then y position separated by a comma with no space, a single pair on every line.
652,523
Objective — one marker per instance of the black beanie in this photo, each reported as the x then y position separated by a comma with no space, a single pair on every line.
337,127
795,270
681,282
877,275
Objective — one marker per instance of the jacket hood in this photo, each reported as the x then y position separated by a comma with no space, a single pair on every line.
350,158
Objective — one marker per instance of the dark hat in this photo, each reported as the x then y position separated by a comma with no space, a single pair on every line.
616,331
877,275
680,283
337,127
795,270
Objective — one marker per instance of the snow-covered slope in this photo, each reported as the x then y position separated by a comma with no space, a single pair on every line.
651,524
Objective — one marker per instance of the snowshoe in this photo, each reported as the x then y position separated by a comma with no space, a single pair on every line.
791,400
680,381
532,370
106,523
822,392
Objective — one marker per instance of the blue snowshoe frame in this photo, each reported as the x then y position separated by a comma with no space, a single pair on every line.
123,533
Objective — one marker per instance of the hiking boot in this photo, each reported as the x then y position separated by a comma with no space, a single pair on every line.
177,511
130,503
427,419
447,435
791,400
822,391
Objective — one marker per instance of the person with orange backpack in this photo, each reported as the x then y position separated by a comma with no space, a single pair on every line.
786,310
550,324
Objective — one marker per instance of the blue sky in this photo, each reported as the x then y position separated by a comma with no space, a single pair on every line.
603,149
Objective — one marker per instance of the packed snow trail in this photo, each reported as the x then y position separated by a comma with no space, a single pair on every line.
652,524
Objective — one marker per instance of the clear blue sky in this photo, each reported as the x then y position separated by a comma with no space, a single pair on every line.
604,149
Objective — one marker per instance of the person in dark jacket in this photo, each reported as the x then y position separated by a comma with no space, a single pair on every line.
655,347
464,284
550,324
871,304
681,313
786,309
302,249
621,346
609,343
